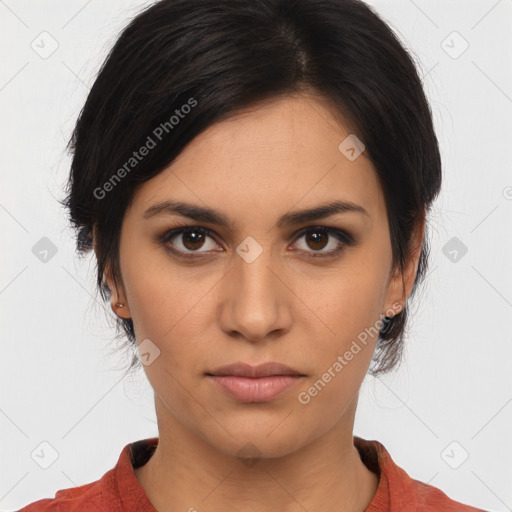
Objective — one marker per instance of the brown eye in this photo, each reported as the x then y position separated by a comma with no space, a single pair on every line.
316,239
193,240
189,240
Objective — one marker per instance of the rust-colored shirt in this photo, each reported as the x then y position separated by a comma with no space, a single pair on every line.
119,490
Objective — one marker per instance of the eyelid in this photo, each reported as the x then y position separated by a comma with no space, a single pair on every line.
341,233
345,237
172,233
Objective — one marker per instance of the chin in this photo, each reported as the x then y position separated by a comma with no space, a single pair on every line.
257,441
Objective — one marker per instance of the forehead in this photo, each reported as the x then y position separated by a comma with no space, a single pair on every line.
279,154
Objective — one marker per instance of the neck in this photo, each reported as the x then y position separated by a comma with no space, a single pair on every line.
185,473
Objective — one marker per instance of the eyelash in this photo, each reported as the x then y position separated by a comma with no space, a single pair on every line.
346,240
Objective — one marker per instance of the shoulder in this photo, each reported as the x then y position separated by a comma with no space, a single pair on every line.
69,500
93,496
431,499
116,491
397,490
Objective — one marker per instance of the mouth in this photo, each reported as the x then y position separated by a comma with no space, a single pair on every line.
262,370
263,383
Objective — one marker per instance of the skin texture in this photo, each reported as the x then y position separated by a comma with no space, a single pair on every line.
277,157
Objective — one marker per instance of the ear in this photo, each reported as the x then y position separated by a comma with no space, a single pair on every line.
118,301
401,283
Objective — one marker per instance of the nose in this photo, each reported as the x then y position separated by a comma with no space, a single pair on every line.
255,302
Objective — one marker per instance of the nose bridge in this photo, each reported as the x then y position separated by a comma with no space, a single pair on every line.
253,273
253,269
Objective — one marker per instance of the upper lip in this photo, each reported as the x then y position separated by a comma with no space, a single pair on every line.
263,370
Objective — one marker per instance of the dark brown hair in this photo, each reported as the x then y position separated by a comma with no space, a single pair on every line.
227,56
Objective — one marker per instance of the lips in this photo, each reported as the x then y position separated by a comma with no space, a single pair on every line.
262,370
263,383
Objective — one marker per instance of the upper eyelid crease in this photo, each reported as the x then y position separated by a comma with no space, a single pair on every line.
346,238
206,214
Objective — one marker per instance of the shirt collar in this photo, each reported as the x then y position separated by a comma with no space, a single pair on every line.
395,490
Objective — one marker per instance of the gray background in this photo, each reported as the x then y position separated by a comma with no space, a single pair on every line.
63,385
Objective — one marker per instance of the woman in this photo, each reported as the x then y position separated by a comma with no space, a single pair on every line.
254,179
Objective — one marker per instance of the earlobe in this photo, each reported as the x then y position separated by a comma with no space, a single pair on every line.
402,282
118,301
120,309
396,294
414,256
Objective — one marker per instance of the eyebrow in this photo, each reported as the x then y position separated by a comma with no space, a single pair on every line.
206,214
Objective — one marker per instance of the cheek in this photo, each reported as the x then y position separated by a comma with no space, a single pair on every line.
349,303
156,293
148,292
349,300
351,311
169,307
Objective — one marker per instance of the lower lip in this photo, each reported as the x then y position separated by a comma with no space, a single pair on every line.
262,389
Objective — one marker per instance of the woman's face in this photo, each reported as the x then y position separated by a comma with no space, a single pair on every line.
256,289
